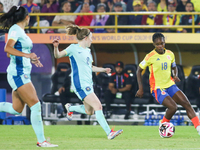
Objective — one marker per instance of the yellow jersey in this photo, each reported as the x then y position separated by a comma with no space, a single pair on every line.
160,69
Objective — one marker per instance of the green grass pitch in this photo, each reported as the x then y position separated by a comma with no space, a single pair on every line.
93,137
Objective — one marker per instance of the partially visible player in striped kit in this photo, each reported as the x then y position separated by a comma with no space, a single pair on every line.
81,77
161,62
18,48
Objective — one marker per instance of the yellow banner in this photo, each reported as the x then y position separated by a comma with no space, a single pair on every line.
185,38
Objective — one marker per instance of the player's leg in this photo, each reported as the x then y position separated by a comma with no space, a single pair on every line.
109,97
28,94
171,109
127,97
180,98
163,98
15,107
94,102
80,108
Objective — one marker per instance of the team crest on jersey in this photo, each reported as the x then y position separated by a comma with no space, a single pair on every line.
88,88
168,57
163,92
25,76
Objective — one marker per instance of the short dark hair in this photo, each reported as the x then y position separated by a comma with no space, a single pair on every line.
63,3
1,3
14,15
157,35
101,5
151,2
188,2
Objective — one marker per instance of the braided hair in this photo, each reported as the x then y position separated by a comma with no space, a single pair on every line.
157,35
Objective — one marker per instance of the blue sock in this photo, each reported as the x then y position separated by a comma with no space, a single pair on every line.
7,107
36,121
102,121
79,109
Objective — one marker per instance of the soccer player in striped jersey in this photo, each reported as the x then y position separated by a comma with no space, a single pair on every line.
163,88
81,65
18,48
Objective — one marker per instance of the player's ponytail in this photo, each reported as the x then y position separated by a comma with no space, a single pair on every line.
80,33
14,15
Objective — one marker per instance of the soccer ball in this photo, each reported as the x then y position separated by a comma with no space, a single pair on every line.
166,130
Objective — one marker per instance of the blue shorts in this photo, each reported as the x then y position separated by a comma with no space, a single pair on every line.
84,92
160,94
17,81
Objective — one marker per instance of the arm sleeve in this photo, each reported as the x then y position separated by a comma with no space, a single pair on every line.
144,20
128,80
111,79
68,50
13,34
87,19
146,62
44,8
56,19
78,20
173,60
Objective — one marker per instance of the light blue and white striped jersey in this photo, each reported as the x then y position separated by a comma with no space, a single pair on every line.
19,65
81,66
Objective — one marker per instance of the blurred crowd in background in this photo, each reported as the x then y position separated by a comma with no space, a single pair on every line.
101,6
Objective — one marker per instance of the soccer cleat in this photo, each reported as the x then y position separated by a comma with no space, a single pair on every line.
160,122
69,114
113,134
46,144
198,129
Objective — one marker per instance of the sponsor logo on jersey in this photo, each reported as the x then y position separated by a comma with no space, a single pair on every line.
88,88
25,76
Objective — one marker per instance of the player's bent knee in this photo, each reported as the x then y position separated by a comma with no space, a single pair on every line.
90,112
99,107
175,108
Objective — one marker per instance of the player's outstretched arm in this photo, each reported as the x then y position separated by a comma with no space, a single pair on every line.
57,53
100,69
139,79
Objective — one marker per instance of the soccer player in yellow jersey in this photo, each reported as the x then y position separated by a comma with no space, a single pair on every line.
161,61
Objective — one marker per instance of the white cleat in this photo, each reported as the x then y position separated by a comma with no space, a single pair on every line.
113,134
46,144
69,114
198,129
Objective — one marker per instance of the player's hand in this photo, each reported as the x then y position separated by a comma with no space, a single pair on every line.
139,93
37,62
60,90
114,91
176,79
55,43
31,56
199,90
107,70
